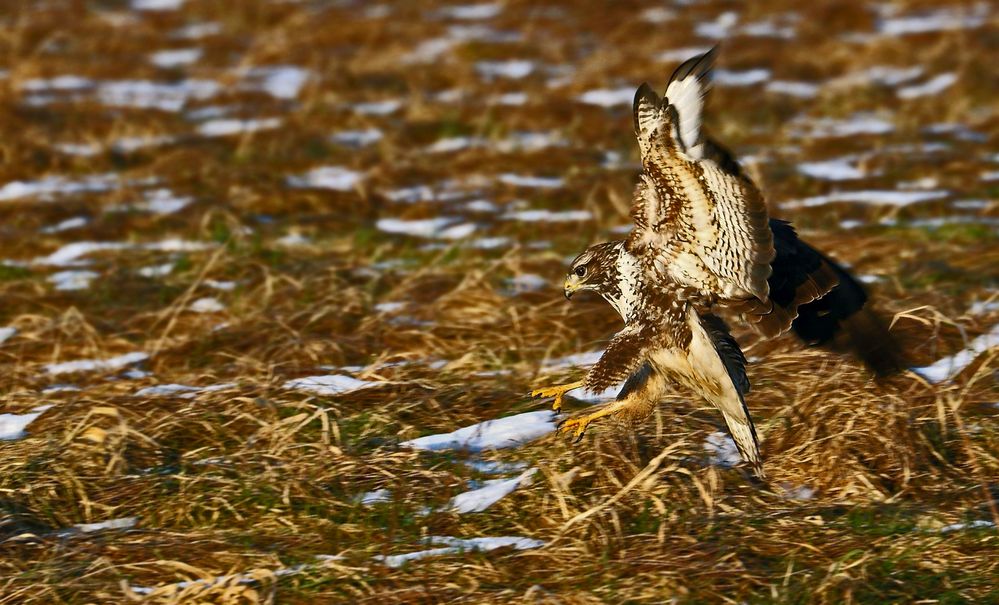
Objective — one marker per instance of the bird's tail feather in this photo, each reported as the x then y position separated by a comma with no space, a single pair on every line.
745,439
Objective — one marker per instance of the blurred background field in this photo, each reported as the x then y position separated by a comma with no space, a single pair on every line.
250,250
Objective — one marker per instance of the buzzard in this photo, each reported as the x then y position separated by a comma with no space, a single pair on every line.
702,242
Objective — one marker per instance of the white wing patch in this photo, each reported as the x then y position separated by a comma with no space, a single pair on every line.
687,96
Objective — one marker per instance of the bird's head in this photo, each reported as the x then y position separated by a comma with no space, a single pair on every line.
595,269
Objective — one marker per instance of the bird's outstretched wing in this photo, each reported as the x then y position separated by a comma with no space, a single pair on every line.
697,222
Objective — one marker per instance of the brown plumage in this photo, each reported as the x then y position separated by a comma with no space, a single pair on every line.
703,239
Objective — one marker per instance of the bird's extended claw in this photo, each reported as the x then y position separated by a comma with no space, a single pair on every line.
577,426
558,392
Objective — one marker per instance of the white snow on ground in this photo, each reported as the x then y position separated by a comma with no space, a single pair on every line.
207,304
157,270
175,57
70,254
494,467
12,425
60,388
357,138
180,390
332,384
122,523
725,77
536,182
6,333
719,28
472,12
575,360
157,5
934,85
513,69
61,83
478,500
722,450
885,75
49,186
162,201
379,495
676,55
458,545
513,99
657,15
83,150
977,524
230,126
855,125
225,286
71,223
948,367
500,433
801,90
876,197
837,169
72,279
196,31
548,216
439,227
292,240
378,108
528,282
608,97
279,81
143,94
336,178
935,21
96,365
132,144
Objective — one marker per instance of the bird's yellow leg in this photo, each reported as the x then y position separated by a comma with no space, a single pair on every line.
558,392
577,426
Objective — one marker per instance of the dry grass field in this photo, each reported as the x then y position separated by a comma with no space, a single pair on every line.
207,204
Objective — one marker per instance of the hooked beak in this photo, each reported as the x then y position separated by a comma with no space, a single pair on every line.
569,288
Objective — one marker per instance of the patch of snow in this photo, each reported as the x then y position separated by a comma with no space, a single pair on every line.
378,108
379,495
657,15
389,307
749,77
207,305
69,254
53,185
494,467
180,390
280,81
292,240
133,144
428,228
801,90
231,126
143,94
71,223
933,86
196,31
96,365
457,546
179,57
719,28
722,450
500,433
61,388
512,69
935,21
7,333
157,5
528,282
490,243
876,197
948,367
332,384
12,426
357,138
481,206
548,216
58,83
122,523
575,360
511,98
839,169
537,182
336,178
472,12
452,144
83,150
72,280
162,201
157,270
976,524
429,51
680,54
858,124
608,97
225,286
478,500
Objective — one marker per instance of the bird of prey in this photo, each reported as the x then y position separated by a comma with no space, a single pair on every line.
702,242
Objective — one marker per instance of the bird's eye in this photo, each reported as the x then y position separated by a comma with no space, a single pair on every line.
581,271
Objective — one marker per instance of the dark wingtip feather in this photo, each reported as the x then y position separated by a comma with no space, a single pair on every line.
646,106
700,66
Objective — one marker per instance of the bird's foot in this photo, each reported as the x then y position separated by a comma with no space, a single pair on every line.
575,426
558,392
